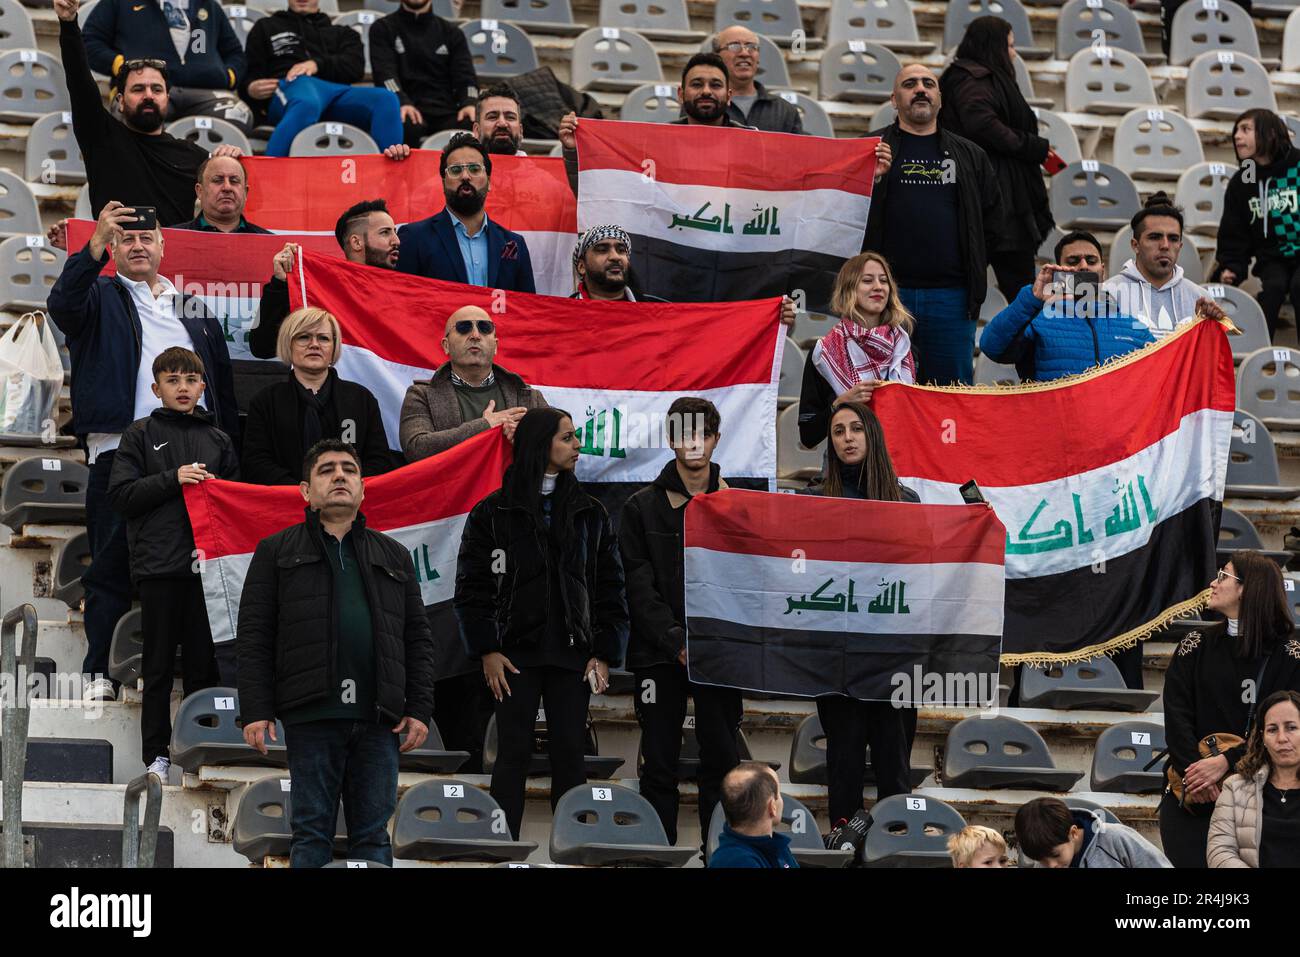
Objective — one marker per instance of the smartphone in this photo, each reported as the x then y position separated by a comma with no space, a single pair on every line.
146,217
1053,163
971,494
592,678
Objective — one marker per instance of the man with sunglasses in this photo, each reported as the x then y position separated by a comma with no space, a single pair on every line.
751,104
461,243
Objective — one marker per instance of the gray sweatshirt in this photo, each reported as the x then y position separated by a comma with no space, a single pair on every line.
1160,309
1118,845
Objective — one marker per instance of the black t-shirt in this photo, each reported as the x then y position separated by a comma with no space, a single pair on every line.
921,216
1280,846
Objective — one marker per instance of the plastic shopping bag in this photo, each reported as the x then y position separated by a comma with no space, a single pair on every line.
31,375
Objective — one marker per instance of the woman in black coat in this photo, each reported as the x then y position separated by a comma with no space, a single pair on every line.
541,601
313,403
982,103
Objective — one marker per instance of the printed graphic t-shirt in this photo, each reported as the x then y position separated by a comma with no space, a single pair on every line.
921,218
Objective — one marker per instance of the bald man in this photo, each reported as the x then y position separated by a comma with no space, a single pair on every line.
934,215
751,103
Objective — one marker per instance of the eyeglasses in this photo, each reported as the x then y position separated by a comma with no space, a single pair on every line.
736,46
472,168
1224,573
307,338
486,327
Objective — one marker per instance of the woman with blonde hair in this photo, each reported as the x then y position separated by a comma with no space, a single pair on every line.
869,346
313,403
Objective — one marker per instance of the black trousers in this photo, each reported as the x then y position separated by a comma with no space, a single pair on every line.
564,694
172,613
1184,836
1014,269
462,708
850,726
660,701
1279,280
227,663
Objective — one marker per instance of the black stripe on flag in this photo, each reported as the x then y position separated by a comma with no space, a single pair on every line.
449,658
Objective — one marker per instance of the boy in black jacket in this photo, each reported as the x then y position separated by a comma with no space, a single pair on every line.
158,457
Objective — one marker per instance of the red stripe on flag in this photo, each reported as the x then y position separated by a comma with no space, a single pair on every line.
814,528
1006,439
656,347
728,158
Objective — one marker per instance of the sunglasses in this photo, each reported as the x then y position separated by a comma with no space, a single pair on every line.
1224,573
486,327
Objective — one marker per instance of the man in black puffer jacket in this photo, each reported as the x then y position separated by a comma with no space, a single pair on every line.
334,641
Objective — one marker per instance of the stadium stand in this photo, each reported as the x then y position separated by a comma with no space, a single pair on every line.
535,16
611,58
910,832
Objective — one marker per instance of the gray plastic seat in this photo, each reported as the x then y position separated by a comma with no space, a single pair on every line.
450,820
1247,315
1268,386
19,214
242,18
1252,461
16,31
359,865
52,152
1078,20
29,267
688,759
1222,85
962,12
798,824
210,132
777,19
82,209
32,84
811,326
332,139
792,459
1025,84
1291,42
1121,754
773,71
988,372
651,103
431,757
858,71
1107,80
1001,752
1059,134
360,21
71,558
605,825
1237,533
652,19
601,767
439,140
816,122
1121,251
612,59
262,821
890,23
206,732
1200,27
1081,685
500,50
126,649
808,756
536,16
792,363
36,492
884,116
1200,192
1156,144
1092,195
908,830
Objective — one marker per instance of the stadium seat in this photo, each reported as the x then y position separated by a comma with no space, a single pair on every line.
439,140
39,491
242,18
1292,125
1252,461
808,756
604,825
598,766
19,214
82,209
908,830
1222,85
792,363
127,646
1093,195
773,71
1001,752
209,132
652,19
793,461
811,326
32,84
1156,144
688,759
1268,386
1081,685
1291,42
988,372
449,820
1210,26
16,31
1078,21
858,71
71,558
29,267
612,59
884,116
535,16
778,20
360,21
431,757
332,139
887,22
962,12
1121,251
441,8
1236,533
500,50
994,302
1200,193
1047,249
1026,85
651,103
1060,134
345,863
1107,80
1247,315
206,731
1083,804
262,822
52,152
799,825
1122,752
814,118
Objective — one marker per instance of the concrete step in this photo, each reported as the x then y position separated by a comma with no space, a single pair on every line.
77,846
68,760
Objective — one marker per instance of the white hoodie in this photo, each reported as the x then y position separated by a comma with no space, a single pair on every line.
1160,309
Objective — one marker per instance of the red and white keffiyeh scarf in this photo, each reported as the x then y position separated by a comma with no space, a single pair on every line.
850,354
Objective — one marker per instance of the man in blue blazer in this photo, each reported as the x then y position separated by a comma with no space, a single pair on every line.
460,244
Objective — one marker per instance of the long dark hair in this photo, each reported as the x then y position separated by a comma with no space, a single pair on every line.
1256,755
985,43
876,476
1272,138
1264,617
522,483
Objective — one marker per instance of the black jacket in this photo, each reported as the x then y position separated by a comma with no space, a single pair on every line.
650,538
127,29
425,60
769,112
501,611
980,204
848,482
199,224
273,451
288,622
1255,224
271,311
284,38
989,110
143,486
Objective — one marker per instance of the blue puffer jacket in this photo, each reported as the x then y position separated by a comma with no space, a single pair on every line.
1055,341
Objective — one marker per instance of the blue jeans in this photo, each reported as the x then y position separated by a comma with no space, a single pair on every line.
943,341
308,99
356,760
107,582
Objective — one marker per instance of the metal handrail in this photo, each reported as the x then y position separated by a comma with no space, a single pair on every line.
139,844
15,669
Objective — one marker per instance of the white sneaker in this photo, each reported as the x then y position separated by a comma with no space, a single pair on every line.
161,767
101,689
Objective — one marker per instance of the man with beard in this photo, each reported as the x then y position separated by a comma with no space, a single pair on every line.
425,61
602,261
222,191
133,161
461,244
705,93
750,101
500,122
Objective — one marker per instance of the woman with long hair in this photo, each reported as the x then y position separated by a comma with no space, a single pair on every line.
1216,676
1256,821
540,601
869,345
982,103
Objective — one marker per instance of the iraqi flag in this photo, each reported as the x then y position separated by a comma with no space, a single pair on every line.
804,595
423,506
1108,483
720,214
615,366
